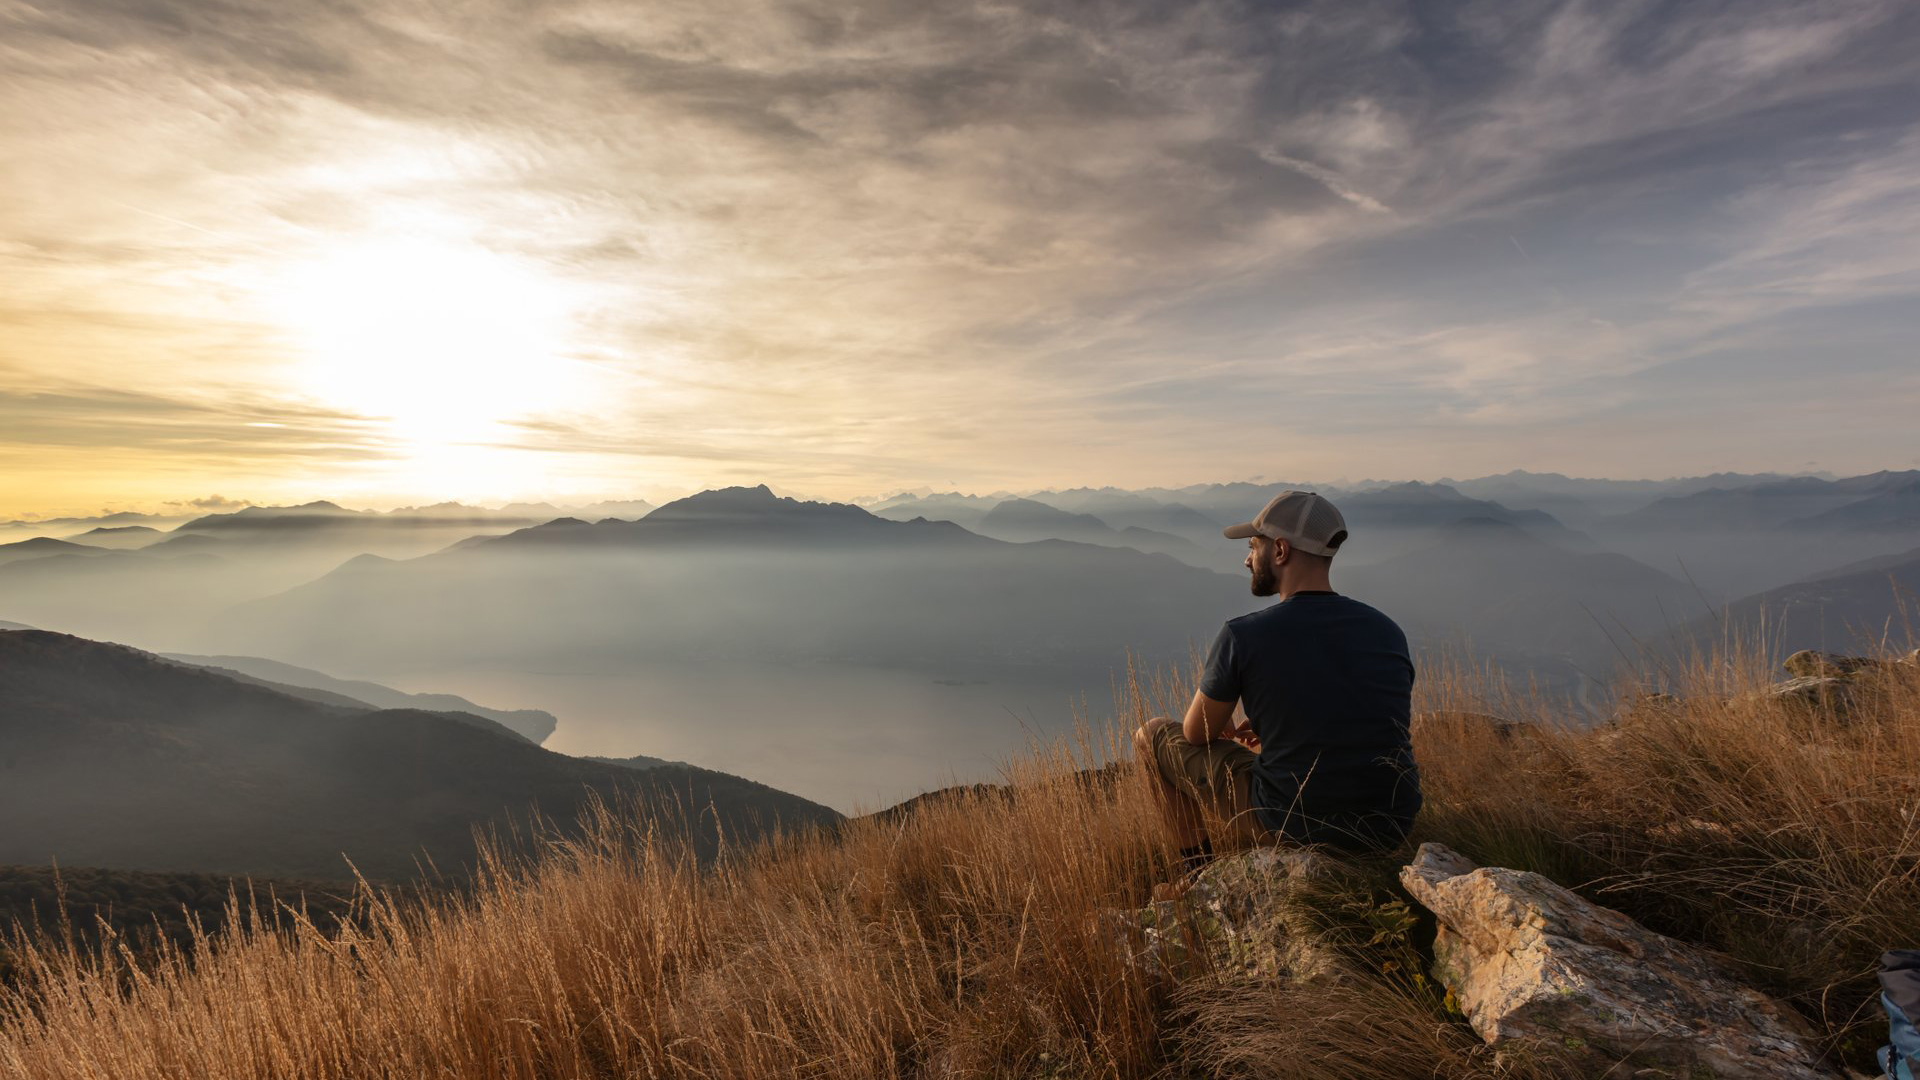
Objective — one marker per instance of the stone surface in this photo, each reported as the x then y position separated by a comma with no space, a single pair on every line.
1242,916
1538,970
1819,691
1499,727
1656,701
1815,664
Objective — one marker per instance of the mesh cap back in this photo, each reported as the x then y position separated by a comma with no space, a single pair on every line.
1301,518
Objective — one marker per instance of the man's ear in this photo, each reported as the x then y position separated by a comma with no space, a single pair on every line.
1281,549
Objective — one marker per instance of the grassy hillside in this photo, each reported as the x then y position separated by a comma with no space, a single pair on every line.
112,757
1870,602
961,938
140,910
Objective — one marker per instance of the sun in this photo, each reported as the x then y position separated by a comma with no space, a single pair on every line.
443,340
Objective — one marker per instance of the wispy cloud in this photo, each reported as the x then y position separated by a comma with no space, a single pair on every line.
852,244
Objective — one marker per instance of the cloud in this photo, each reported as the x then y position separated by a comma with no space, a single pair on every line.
1831,232
78,419
213,503
1008,243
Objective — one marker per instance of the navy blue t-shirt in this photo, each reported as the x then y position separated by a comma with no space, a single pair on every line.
1327,683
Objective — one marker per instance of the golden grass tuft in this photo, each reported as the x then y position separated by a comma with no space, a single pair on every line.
960,940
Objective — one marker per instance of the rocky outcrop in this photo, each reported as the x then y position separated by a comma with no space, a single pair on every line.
1500,727
1831,682
1541,972
1242,916
1811,663
1817,691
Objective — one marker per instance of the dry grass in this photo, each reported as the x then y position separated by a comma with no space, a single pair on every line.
958,942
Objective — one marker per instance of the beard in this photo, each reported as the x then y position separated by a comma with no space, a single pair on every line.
1265,581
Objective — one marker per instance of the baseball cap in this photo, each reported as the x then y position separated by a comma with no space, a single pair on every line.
1301,518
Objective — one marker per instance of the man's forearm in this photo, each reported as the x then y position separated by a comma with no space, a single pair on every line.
1206,720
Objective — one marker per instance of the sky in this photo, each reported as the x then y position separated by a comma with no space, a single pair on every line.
394,252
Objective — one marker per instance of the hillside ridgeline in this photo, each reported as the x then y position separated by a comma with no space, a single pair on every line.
115,758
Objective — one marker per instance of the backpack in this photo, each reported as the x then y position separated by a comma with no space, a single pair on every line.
1900,996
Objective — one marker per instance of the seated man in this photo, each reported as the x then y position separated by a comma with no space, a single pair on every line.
1326,686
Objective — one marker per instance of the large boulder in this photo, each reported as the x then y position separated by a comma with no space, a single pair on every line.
1541,972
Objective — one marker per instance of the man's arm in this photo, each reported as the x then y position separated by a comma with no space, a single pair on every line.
1207,720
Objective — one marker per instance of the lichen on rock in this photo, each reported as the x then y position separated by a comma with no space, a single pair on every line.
1243,916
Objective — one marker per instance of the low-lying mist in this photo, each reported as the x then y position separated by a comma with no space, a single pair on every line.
856,656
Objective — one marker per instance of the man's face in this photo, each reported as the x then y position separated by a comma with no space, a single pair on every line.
1260,552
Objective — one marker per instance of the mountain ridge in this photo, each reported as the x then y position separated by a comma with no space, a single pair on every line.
534,725
121,759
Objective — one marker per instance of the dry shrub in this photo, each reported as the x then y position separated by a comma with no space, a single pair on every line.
960,940
1355,1030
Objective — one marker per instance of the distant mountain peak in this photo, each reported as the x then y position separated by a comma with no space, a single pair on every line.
318,506
1035,512
757,501
365,562
46,543
719,515
1422,489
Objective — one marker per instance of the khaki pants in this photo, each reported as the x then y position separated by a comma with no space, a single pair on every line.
1217,776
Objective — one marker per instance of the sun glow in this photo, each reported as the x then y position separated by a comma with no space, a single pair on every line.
446,341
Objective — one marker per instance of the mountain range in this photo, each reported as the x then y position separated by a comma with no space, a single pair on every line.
846,656
1027,520
1766,505
742,572
1491,588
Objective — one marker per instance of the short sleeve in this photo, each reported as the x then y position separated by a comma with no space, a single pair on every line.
1221,679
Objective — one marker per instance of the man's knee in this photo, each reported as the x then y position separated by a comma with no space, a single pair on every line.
1143,736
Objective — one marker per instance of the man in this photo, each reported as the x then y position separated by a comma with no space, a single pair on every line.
1326,685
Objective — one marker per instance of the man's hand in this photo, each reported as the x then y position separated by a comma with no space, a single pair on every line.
1208,720
1243,734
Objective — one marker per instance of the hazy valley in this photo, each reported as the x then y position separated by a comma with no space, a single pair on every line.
856,655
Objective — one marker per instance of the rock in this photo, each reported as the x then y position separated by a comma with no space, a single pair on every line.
1540,971
1819,691
1242,914
1249,907
1649,705
1153,936
1812,663
1501,728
